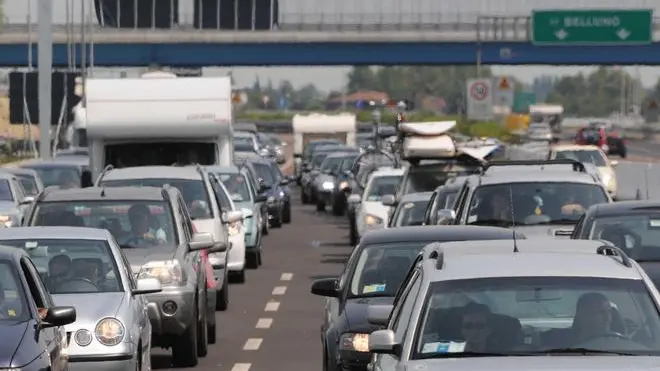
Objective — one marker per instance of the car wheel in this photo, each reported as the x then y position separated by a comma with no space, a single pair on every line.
238,277
320,205
202,334
211,334
222,300
352,235
277,219
286,214
265,229
303,196
260,260
252,259
623,152
184,351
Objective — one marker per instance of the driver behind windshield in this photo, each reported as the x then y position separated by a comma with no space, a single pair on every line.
59,270
141,233
86,271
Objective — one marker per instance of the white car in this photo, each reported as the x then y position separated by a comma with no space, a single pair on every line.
371,212
590,155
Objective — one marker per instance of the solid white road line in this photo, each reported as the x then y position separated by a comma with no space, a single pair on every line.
279,290
264,323
286,277
252,344
241,367
272,306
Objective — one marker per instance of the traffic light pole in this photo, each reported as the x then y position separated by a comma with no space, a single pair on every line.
45,68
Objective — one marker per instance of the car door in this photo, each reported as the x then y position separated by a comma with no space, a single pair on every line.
137,305
54,339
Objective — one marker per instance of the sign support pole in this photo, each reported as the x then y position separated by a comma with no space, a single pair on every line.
45,68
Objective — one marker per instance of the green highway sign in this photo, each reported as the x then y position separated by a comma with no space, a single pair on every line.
522,100
592,27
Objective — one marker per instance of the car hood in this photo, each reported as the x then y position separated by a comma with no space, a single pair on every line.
137,257
542,363
90,308
545,231
14,335
356,313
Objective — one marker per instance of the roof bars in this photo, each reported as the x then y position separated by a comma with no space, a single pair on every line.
611,250
577,165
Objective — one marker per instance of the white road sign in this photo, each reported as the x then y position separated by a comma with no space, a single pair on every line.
503,91
480,99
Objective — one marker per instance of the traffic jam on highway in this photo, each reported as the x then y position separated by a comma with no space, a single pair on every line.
423,249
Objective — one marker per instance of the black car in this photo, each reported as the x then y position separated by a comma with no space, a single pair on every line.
372,275
270,186
633,226
30,323
62,172
327,187
307,154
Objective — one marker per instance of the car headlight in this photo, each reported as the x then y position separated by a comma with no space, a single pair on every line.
263,152
109,331
372,220
168,272
354,342
343,185
271,199
8,221
281,193
328,185
234,228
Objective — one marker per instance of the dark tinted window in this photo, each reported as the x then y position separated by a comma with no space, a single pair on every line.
5,191
29,184
264,172
60,176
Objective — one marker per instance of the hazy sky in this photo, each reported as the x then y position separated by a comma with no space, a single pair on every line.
367,11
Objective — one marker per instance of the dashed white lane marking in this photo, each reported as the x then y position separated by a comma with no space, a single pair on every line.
264,323
286,277
241,367
279,290
252,344
272,306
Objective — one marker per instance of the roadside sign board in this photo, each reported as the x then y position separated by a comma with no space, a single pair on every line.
592,27
522,100
480,99
503,91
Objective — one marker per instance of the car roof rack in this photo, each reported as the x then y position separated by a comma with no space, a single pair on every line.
576,165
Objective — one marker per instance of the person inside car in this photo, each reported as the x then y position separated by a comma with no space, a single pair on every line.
141,233
59,270
476,327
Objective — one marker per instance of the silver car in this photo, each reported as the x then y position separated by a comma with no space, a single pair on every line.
86,269
13,200
29,178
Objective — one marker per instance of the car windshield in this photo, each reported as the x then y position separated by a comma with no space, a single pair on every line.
594,157
638,234
381,186
381,268
72,266
318,159
264,172
237,186
428,177
62,177
347,163
13,306
331,162
538,315
410,213
243,147
193,192
248,141
29,183
533,203
5,191
136,224
310,147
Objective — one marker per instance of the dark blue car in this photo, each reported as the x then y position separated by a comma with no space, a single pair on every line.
273,187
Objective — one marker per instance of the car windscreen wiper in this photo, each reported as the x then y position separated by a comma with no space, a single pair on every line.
493,222
582,351
464,355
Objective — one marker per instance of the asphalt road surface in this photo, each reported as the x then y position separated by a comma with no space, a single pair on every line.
273,321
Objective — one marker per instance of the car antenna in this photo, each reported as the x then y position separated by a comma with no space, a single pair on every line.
513,220
646,179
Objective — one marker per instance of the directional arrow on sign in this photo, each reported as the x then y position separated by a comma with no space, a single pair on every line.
623,34
561,34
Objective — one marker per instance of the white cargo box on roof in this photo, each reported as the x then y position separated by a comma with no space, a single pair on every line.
341,126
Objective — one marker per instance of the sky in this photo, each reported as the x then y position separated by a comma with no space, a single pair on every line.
365,11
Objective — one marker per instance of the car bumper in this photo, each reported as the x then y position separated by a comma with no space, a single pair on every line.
171,324
103,362
236,258
353,361
219,265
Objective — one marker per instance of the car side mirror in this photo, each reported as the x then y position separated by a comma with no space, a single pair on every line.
446,216
27,200
614,163
260,198
201,241
325,287
284,182
382,342
247,213
354,199
232,216
86,179
379,314
389,200
59,316
147,286
264,188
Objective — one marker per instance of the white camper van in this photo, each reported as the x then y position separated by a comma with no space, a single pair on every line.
158,120
315,126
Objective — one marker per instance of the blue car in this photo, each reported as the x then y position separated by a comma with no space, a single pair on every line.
243,193
271,187
283,182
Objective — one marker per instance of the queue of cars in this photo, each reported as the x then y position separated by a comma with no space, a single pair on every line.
459,259
142,257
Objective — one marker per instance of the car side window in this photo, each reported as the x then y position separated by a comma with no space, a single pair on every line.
126,266
37,289
577,231
460,201
401,318
185,219
221,197
428,214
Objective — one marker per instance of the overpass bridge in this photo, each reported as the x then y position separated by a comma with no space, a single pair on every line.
381,38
